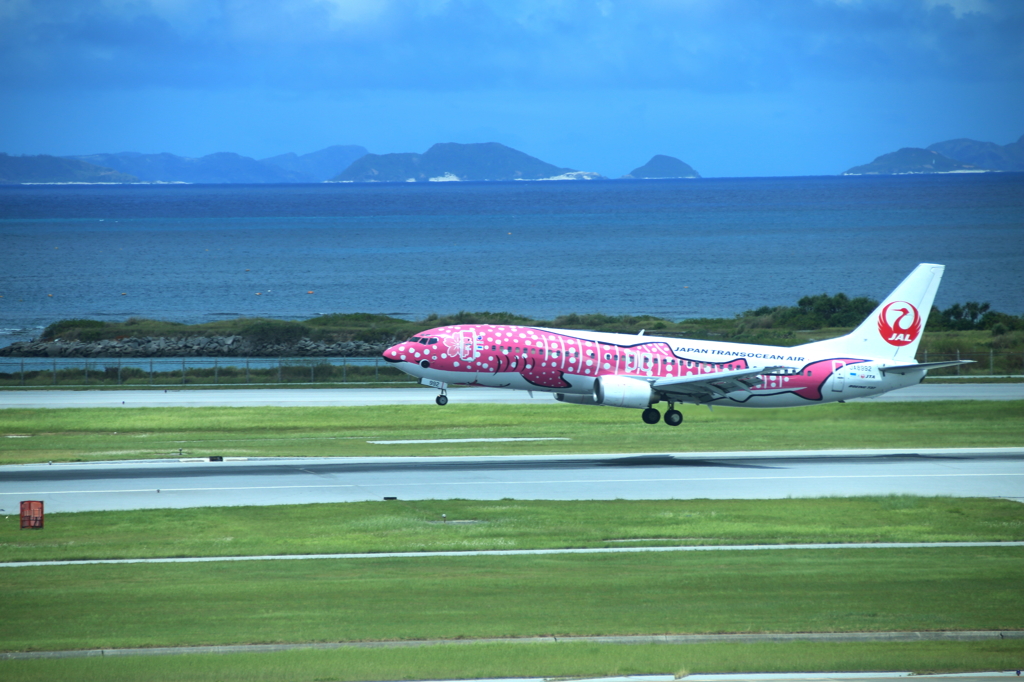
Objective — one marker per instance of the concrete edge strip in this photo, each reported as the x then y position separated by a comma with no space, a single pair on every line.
518,552
943,636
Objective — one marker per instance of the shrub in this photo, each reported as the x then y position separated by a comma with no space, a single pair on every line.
72,329
267,331
349,319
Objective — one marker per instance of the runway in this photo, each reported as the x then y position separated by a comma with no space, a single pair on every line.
314,397
987,472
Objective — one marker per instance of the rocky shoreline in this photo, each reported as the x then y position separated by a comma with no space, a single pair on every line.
195,346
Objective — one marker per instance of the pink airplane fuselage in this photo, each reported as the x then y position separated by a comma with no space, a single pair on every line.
568,362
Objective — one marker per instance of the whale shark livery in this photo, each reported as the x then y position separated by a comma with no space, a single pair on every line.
639,371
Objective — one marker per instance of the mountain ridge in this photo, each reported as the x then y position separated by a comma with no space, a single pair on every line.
987,155
961,155
44,168
452,161
319,166
217,168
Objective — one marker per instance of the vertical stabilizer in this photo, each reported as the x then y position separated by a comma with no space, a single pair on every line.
893,331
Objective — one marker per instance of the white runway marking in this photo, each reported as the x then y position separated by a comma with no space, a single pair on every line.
519,552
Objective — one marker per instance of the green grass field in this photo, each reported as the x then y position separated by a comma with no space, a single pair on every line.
39,435
490,661
404,526
471,597
834,590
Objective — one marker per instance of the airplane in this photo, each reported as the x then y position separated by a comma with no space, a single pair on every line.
639,371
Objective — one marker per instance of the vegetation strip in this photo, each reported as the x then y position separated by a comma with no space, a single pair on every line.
945,636
91,434
378,527
515,552
545,661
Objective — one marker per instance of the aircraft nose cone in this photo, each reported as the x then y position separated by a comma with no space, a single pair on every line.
392,355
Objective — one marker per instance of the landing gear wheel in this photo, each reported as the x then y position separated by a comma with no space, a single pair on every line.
441,399
651,416
673,417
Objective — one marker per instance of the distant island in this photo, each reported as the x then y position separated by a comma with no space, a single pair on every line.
340,163
451,161
662,167
50,169
227,167
953,156
443,162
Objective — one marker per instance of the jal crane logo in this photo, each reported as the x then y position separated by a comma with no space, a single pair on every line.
899,323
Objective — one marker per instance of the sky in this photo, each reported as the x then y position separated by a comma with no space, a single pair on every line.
732,87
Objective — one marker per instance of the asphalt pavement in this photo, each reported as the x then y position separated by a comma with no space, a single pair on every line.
150,484
310,397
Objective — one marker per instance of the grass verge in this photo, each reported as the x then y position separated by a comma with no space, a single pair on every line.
38,435
403,526
565,660
830,590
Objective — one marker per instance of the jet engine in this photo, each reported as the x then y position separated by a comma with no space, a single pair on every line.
619,391
575,399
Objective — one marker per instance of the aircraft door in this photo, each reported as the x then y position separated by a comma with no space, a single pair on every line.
838,376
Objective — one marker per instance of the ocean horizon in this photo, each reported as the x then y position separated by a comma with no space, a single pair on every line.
707,247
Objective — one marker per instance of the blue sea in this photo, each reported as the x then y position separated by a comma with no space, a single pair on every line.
674,248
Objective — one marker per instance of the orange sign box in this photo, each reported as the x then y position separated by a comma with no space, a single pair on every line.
31,514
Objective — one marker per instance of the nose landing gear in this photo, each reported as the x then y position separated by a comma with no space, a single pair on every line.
439,385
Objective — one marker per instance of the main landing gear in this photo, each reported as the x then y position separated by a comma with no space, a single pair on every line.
673,417
651,416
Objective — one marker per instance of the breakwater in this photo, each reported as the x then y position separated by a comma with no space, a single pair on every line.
195,346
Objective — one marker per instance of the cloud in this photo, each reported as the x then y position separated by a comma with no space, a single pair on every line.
329,45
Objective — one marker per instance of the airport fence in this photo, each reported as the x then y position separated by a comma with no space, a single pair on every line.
81,372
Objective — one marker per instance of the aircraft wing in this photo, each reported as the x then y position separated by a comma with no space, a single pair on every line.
704,388
903,369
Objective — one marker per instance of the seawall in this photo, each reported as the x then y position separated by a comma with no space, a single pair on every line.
195,346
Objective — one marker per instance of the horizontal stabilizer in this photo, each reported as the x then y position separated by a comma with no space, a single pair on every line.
903,369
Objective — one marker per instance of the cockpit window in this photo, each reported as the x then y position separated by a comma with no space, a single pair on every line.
414,339
432,341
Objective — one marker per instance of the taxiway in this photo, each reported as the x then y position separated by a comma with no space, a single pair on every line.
984,472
